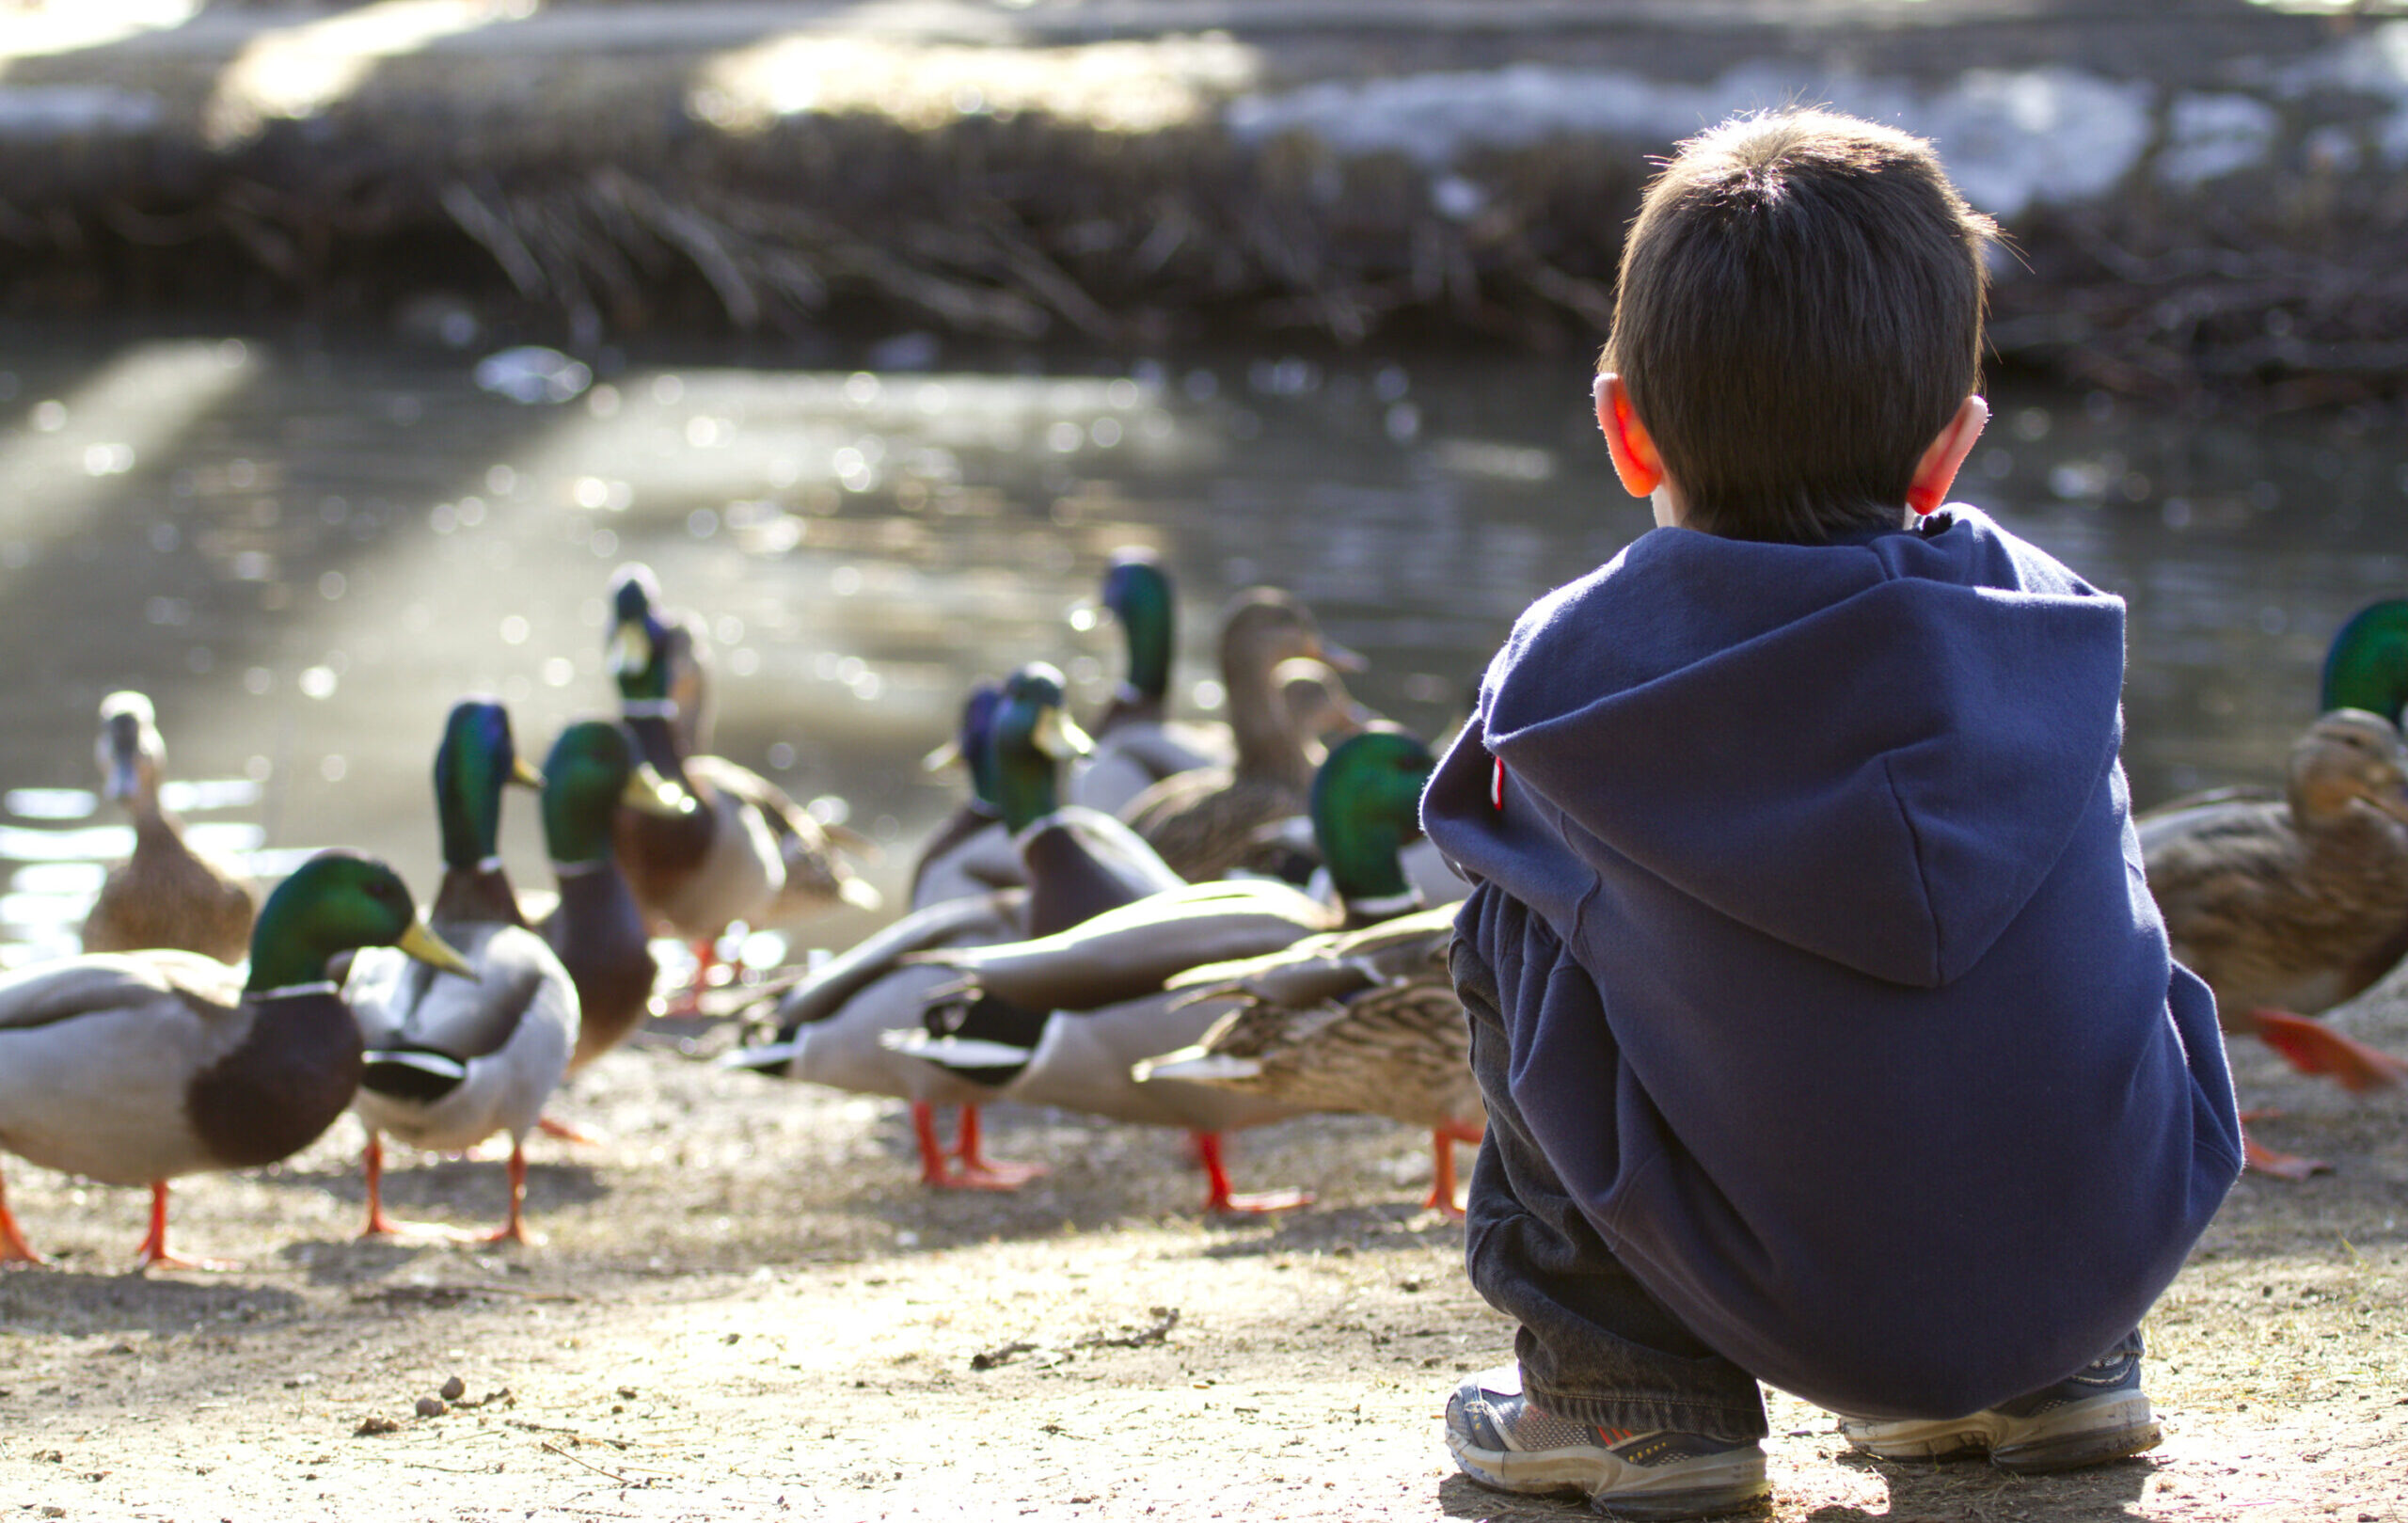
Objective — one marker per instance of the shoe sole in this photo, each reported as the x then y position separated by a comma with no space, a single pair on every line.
2087,1432
1696,1488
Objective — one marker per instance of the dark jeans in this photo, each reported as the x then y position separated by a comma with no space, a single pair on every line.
1595,1346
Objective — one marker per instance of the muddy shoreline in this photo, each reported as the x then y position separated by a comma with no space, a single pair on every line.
2202,196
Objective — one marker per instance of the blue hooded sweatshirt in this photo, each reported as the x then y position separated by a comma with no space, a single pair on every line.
1843,1009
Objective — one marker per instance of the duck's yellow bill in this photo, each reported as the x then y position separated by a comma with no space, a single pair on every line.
1058,736
426,946
630,649
648,793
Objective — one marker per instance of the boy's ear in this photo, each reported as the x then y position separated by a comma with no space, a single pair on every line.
1937,471
1635,462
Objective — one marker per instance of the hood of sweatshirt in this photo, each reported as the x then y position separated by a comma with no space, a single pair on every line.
1918,719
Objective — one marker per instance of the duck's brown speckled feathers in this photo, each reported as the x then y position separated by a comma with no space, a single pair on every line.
1363,1020
2298,904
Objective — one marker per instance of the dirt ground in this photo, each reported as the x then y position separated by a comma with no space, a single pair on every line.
747,1309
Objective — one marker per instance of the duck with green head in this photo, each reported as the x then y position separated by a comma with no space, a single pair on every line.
2290,904
596,927
967,891
137,1067
1105,989
1077,861
165,894
970,852
736,850
1136,745
450,1061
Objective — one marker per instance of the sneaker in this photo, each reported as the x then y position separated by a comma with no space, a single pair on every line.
2094,1415
1504,1441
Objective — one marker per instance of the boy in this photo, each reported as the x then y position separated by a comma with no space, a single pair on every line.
1828,1031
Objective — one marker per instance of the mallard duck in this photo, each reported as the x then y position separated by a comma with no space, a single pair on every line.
1077,861
134,1068
1357,1021
452,1061
1323,711
166,894
832,1027
741,851
1136,745
1203,822
829,1028
1102,990
595,926
2289,907
637,617
1319,709
970,852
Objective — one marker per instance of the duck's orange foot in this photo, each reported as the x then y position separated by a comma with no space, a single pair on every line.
978,1171
565,1132
1219,1198
154,1252
2282,1166
1003,1179
381,1224
14,1249
163,1260
1442,1198
1258,1202
2312,1048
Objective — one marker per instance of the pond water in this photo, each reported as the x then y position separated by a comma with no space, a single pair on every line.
305,547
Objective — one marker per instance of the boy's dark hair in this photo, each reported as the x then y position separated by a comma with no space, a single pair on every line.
1799,315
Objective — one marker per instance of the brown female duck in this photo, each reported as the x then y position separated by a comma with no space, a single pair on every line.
166,894
2288,906
1205,821
1363,1022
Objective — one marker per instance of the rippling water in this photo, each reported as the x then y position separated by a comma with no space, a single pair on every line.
305,549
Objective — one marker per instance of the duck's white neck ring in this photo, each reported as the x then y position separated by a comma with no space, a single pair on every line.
324,986
1391,904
